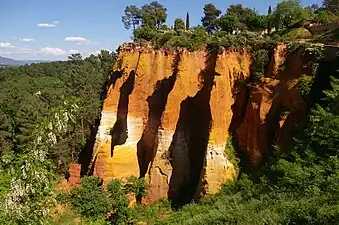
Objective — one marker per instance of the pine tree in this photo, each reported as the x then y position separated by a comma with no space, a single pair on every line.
209,20
132,17
187,21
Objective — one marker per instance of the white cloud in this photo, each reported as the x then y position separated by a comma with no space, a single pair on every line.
94,53
48,53
27,39
73,51
22,52
6,45
53,24
78,40
46,25
7,48
53,51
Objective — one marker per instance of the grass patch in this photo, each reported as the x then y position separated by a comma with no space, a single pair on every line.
293,34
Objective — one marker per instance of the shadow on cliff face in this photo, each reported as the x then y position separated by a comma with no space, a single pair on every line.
113,79
156,104
288,108
241,94
119,131
274,109
85,156
189,145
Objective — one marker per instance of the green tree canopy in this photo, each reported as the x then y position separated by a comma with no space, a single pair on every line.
229,23
132,17
238,17
209,20
324,16
153,14
179,25
288,13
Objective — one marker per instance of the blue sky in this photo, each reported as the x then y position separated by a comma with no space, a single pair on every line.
51,29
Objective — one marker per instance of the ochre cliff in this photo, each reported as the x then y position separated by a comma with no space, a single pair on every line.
168,115
274,106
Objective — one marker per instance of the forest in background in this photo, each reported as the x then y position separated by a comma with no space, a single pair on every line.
48,111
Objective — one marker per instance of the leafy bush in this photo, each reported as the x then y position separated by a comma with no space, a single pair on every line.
145,34
136,186
92,201
231,154
305,85
292,34
260,60
194,39
89,199
119,202
152,213
163,39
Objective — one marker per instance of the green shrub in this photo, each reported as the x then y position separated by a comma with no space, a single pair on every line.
305,85
164,38
152,213
260,60
145,34
193,40
136,186
177,41
119,202
230,153
89,199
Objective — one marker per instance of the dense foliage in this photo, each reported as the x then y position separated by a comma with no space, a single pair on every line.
148,25
47,111
94,203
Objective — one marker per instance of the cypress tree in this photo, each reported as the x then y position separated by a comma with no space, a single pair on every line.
187,21
269,19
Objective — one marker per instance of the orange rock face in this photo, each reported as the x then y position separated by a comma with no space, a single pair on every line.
74,179
168,115
274,107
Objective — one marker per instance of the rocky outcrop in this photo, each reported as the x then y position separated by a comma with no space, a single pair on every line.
168,115
275,106
74,179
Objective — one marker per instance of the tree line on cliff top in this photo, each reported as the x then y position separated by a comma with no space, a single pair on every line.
149,21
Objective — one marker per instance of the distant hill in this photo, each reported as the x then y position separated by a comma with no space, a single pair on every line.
36,61
12,62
